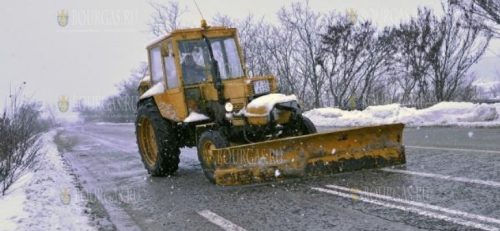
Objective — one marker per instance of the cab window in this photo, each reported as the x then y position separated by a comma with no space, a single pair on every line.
226,54
172,80
195,59
156,65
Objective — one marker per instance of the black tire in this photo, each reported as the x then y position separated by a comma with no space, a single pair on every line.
156,139
308,126
299,126
206,159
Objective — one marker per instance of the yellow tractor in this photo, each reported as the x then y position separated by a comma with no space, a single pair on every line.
199,95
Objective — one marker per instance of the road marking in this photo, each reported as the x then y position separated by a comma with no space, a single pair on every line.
454,149
413,210
419,204
220,221
445,177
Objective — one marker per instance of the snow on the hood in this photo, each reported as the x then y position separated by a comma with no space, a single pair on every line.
194,116
45,199
268,101
442,114
156,89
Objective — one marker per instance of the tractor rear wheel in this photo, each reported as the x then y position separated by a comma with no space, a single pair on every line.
156,139
209,141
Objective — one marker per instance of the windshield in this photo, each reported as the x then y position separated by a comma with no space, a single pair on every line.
195,59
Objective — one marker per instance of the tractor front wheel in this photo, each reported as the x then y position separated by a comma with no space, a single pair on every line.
208,142
307,126
299,126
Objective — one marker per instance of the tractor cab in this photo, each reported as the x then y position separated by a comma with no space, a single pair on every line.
201,71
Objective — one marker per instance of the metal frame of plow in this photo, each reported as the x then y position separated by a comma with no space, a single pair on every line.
310,155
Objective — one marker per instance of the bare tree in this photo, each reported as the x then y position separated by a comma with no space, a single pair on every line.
348,60
280,43
129,86
379,63
223,20
413,41
251,37
20,129
165,17
460,46
251,34
307,26
485,11
120,107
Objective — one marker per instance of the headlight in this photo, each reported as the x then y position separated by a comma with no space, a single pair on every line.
261,87
229,107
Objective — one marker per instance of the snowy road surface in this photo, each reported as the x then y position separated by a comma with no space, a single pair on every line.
451,182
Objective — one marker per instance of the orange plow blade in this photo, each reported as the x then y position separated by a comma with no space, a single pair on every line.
310,155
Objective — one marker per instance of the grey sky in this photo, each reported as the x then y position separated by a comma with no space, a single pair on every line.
104,40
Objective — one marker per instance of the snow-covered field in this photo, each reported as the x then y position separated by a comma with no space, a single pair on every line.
442,114
43,199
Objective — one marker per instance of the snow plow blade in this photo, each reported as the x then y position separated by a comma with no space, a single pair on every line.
310,155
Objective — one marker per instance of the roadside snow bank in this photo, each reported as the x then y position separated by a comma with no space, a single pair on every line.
41,199
441,114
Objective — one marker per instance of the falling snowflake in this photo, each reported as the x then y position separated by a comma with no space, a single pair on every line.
277,173
333,151
470,134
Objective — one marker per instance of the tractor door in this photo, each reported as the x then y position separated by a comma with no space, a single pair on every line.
172,102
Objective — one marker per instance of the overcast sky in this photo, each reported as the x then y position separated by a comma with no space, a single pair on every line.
104,40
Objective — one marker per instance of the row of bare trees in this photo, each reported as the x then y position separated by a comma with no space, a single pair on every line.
336,59
117,108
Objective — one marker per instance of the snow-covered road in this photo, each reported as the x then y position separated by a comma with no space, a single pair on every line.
441,187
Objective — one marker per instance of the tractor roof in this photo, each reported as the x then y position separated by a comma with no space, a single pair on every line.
190,32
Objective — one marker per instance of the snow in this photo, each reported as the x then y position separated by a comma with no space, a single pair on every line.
42,199
157,40
277,173
68,117
268,102
194,116
156,89
12,203
146,78
441,114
